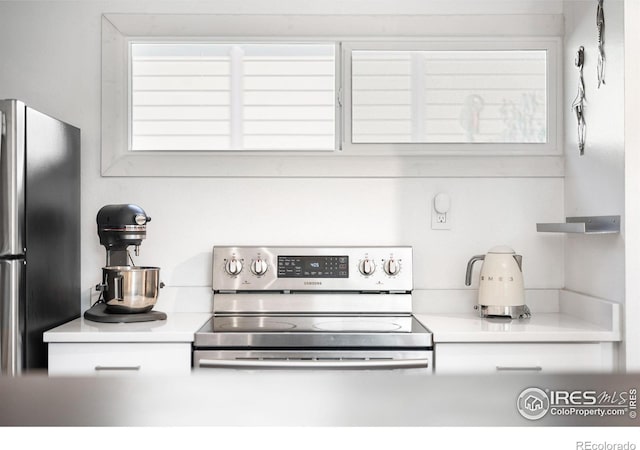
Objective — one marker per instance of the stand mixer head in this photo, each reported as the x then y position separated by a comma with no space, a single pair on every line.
120,226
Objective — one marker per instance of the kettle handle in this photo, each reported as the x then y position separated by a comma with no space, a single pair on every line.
467,280
518,259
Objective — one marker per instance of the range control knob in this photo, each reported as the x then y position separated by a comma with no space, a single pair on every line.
367,267
391,267
233,266
259,266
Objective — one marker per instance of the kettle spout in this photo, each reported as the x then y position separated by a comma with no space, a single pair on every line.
467,280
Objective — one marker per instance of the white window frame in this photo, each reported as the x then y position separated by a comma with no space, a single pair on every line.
354,160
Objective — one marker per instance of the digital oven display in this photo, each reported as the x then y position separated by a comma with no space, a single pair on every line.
313,267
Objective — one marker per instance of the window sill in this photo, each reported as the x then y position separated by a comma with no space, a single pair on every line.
333,166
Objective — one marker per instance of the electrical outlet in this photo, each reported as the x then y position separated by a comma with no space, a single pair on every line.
441,212
440,221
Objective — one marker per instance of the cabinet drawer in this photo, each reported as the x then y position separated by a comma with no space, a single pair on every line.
119,358
523,357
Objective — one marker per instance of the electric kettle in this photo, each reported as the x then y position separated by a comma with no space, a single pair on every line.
501,290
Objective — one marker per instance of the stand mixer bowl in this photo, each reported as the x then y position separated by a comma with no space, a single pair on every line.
130,289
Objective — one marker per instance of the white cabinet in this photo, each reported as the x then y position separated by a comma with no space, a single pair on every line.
122,358
547,357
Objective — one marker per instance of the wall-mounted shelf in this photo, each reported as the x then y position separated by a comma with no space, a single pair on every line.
584,225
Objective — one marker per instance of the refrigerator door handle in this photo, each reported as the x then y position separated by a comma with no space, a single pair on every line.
12,275
12,178
3,131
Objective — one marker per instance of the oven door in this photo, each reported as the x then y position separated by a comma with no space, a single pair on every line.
310,359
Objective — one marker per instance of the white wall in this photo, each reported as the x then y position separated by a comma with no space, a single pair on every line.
50,56
632,191
594,182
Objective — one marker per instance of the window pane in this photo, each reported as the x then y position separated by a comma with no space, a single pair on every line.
199,96
449,96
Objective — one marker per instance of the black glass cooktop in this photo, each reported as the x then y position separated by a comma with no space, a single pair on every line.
313,331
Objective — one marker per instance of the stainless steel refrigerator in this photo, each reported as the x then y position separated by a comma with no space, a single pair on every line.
39,233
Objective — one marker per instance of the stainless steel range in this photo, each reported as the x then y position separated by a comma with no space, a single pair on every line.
313,307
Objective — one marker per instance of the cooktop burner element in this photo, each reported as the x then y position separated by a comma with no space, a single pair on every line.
349,325
250,324
292,304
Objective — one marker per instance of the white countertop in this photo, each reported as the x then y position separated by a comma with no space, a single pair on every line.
178,327
446,327
577,319
541,327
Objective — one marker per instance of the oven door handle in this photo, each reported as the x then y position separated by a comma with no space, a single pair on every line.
338,364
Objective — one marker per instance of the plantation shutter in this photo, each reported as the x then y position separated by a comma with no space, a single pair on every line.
449,96
201,96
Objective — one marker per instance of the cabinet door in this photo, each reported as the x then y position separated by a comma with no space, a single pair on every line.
523,357
103,359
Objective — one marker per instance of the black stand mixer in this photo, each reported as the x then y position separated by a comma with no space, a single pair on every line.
127,292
